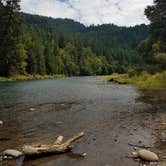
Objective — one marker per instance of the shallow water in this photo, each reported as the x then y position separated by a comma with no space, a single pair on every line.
109,114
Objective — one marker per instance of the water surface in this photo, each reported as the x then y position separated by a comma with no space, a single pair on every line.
109,114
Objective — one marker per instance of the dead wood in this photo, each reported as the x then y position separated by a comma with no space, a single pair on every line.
57,147
139,146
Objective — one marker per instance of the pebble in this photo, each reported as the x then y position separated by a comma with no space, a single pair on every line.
32,109
134,154
59,123
84,154
5,157
1,122
12,152
148,155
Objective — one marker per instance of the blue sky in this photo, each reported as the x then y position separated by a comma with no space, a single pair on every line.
119,12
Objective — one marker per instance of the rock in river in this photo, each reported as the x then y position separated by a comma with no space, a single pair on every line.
12,152
148,155
32,109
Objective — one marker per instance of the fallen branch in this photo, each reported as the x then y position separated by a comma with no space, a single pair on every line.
139,146
58,147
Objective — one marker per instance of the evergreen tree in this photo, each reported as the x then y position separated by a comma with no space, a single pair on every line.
61,46
157,16
50,56
153,48
12,53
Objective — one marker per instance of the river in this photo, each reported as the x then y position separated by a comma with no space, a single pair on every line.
111,116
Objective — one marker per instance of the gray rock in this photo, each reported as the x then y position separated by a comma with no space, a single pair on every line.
32,109
13,153
148,155
84,154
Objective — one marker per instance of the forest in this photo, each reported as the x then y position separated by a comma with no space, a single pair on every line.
32,44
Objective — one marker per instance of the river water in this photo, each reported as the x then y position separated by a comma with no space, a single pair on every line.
110,115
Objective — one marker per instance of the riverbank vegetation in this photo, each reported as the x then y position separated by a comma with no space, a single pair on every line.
152,73
30,77
143,80
34,46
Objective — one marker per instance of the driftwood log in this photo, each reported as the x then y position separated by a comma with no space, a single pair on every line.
57,147
139,146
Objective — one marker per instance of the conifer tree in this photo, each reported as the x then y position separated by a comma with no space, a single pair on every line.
12,53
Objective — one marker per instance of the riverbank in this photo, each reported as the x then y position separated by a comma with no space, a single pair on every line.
143,81
30,77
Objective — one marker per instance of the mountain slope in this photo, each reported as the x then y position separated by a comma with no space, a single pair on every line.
107,35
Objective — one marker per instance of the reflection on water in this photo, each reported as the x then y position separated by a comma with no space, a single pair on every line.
64,107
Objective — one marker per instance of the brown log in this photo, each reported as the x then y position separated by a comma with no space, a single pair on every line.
57,147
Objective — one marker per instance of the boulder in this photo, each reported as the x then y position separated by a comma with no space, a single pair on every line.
148,155
12,153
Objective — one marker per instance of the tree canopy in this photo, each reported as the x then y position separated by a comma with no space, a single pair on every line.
32,44
153,48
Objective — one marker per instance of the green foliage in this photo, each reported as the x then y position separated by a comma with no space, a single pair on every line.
48,46
157,16
153,48
143,80
21,56
30,77
161,59
146,80
10,36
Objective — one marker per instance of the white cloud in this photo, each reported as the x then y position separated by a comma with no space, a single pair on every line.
119,12
51,8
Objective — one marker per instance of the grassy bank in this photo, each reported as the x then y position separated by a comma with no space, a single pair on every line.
144,80
30,77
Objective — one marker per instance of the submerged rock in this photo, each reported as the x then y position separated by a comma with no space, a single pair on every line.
13,153
32,109
84,154
148,155
1,122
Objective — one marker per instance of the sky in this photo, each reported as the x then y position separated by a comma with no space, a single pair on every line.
88,12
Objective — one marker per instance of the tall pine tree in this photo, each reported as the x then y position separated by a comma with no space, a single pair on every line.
12,52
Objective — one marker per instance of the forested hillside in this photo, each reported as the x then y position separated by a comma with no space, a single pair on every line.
32,44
